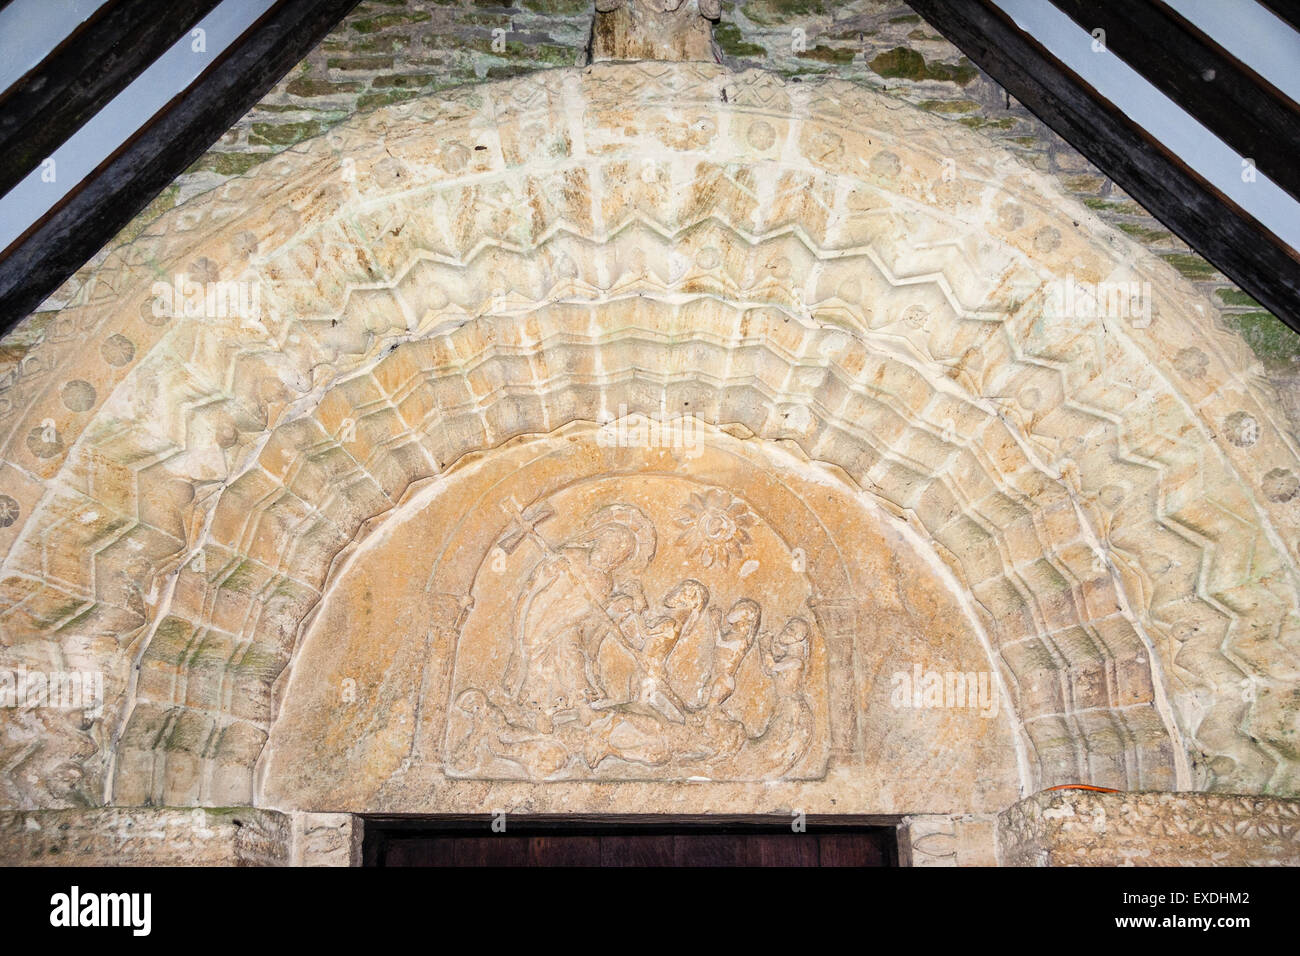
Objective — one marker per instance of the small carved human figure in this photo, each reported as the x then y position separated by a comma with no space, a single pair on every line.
692,657
490,737
731,648
726,733
788,733
661,637
561,617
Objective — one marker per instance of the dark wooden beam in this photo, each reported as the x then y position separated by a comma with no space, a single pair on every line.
1191,207
1223,94
95,63
52,250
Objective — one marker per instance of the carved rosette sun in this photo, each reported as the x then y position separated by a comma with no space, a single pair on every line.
713,527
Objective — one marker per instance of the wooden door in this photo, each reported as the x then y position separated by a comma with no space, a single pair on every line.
628,842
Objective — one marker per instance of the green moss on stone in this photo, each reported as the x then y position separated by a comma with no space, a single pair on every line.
1145,233
557,7
980,122
228,164
171,640
260,660
70,626
245,574
1085,184
311,87
554,55
770,12
949,106
1092,202
732,43
1276,345
284,134
387,44
508,70
61,611
1192,266
828,55
375,100
407,81
902,63
372,64
1236,297
375,24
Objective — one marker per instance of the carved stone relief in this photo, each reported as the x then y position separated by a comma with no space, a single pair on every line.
868,285
575,612
1080,828
146,836
642,640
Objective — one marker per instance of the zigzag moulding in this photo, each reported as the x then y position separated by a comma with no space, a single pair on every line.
354,507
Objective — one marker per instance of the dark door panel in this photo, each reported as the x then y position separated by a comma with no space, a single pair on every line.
627,841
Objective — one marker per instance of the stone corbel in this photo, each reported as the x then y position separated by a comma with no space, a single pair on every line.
676,30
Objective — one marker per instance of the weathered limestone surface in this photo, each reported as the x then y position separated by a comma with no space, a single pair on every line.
1082,828
701,617
953,840
805,260
326,839
387,51
145,836
380,537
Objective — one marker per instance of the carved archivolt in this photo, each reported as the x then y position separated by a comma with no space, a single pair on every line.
810,260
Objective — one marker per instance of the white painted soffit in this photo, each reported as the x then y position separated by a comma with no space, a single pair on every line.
1206,154
121,117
